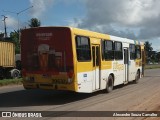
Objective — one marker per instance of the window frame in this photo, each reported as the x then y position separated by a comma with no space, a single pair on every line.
139,51
104,50
118,51
89,48
132,53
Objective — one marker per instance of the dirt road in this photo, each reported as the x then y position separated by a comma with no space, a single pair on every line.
144,96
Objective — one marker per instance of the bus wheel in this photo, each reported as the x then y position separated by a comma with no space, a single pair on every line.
109,85
137,77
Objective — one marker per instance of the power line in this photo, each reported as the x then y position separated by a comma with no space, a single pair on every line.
17,13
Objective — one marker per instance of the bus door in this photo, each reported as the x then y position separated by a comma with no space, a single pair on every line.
96,64
126,65
143,62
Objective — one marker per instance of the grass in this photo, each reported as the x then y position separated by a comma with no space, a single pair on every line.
152,66
5,82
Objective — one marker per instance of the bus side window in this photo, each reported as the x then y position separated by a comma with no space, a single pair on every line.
107,50
118,51
138,52
102,48
83,49
132,51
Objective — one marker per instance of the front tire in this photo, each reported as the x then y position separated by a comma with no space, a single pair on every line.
137,77
109,85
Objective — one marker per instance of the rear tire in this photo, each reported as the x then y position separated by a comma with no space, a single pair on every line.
109,85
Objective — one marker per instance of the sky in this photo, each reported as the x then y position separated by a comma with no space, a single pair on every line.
133,19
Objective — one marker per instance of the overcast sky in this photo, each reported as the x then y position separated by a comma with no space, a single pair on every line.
134,19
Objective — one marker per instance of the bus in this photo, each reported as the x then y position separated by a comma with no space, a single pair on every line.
72,59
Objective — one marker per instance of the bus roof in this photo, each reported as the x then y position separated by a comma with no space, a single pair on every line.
103,36
83,32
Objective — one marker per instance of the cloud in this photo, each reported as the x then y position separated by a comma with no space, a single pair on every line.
11,22
155,43
136,19
74,22
40,7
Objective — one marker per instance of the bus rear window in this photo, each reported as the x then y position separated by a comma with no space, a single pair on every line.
83,49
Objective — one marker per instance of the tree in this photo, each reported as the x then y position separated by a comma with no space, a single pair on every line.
14,37
1,36
158,56
148,50
34,22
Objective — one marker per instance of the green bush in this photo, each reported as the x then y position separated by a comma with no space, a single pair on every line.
156,66
5,82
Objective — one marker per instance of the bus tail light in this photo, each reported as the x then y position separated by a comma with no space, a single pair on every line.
70,74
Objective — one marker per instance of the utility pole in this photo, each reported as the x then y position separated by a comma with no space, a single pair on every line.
5,28
18,13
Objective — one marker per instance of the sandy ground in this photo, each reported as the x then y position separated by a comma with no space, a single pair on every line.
144,96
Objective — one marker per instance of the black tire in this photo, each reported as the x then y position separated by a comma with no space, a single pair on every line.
109,85
137,77
15,74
